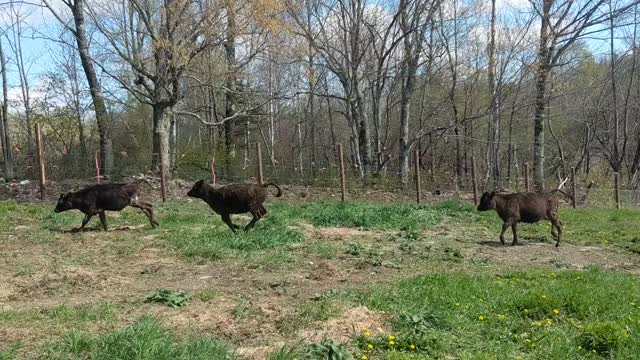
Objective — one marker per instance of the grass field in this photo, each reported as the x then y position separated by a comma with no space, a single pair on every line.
318,280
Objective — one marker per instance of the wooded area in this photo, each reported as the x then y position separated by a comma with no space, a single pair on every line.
168,86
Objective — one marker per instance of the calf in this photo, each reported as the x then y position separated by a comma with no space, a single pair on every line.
234,199
97,199
524,207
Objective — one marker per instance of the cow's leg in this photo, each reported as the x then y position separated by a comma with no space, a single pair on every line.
263,211
555,222
227,220
147,209
103,219
505,226
85,221
514,229
256,212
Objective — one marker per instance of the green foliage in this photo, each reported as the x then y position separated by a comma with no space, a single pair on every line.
172,298
327,350
603,337
537,314
142,340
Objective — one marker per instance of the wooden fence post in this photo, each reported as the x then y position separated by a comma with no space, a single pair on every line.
259,154
40,150
616,181
526,177
98,176
474,180
573,187
418,187
343,185
213,171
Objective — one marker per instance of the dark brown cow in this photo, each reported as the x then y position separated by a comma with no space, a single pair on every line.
234,199
524,207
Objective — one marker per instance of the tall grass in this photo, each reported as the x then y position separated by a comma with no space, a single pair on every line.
144,339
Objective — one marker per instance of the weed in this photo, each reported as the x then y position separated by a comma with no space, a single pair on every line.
327,350
172,298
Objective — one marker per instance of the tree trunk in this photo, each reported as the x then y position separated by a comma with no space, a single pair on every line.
230,98
6,133
494,119
542,75
102,118
161,131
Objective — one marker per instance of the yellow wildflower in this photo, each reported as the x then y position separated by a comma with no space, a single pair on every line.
544,296
481,318
412,347
367,334
556,311
547,322
526,311
364,357
391,337
364,328
579,347
370,346
392,343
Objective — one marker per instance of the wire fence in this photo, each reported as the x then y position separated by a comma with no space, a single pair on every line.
49,168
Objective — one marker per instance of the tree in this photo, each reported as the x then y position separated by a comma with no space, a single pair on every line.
562,23
4,118
158,41
78,29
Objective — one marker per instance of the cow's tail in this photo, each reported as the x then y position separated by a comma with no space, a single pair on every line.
276,186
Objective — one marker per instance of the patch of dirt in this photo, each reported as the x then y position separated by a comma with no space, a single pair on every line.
569,256
324,270
339,233
346,326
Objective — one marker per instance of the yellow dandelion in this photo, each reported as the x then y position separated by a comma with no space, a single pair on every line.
370,346
579,347
392,343
367,334
526,311
547,322
364,357
481,318
391,337
364,328
593,351
412,347
556,311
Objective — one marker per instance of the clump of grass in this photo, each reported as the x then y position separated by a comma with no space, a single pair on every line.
145,339
171,298
603,338
371,216
540,314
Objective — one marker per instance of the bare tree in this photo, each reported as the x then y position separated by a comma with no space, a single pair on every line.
78,29
562,23
4,117
158,42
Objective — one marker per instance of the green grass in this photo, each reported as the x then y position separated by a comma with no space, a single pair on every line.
492,316
60,315
146,338
580,226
